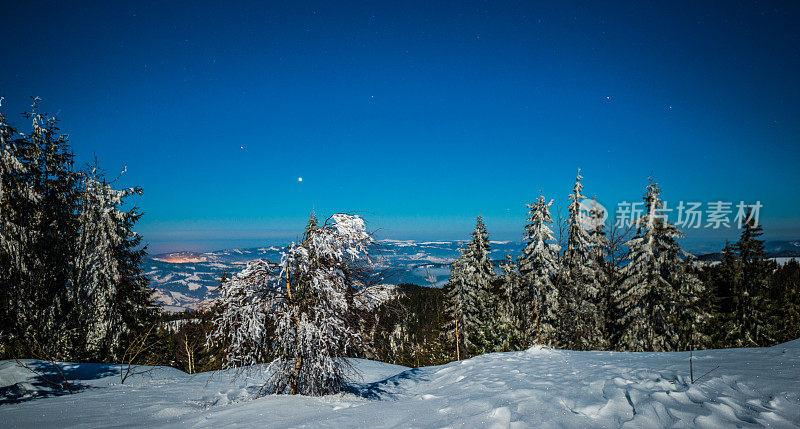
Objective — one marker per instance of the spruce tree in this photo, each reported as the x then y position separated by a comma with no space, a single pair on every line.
721,280
786,282
463,308
480,275
579,287
511,311
305,312
134,300
46,304
482,272
605,273
538,268
17,200
312,225
694,308
750,324
113,297
70,264
729,276
649,294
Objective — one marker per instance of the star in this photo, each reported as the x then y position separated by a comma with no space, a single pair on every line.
299,179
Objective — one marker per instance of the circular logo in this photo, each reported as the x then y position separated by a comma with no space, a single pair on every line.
592,214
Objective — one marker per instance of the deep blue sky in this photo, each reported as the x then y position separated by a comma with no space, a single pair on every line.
418,115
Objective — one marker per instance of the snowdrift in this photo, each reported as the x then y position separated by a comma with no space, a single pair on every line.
539,387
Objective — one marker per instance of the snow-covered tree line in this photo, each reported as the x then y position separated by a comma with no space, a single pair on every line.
596,288
71,286
573,294
599,288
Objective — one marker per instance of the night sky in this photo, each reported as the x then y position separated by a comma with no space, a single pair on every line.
418,115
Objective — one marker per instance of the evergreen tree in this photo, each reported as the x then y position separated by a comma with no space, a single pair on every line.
730,275
719,280
694,308
311,226
649,294
134,298
70,264
313,300
17,200
538,267
605,273
463,308
504,334
511,314
113,300
474,298
579,288
44,298
750,324
480,275
786,284
482,270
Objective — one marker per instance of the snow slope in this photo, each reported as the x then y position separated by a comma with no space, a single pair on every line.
537,387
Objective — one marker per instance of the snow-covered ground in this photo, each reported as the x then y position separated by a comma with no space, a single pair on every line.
538,387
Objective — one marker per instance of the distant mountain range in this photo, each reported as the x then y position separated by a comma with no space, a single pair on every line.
184,279
774,249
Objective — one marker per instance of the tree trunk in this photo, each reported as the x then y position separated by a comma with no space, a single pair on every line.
188,353
296,381
458,342
297,366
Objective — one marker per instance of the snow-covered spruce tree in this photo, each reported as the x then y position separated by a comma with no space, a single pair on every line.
480,275
44,299
599,243
730,274
538,301
749,323
113,300
721,280
463,308
134,299
17,199
477,257
507,292
51,270
509,310
693,308
786,282
579,287
605,270
302,312
650,294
